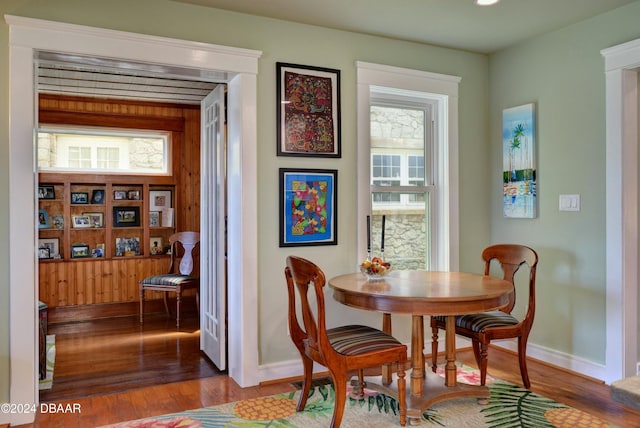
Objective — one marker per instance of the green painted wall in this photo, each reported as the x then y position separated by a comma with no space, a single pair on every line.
287,42
563,73
571,247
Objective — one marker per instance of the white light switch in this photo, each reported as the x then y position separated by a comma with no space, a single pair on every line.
569,202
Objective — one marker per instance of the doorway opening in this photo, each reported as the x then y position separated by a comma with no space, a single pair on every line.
80,97
237,68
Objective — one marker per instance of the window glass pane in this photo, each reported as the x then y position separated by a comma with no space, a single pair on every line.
108,158
79,157
103,150
406,241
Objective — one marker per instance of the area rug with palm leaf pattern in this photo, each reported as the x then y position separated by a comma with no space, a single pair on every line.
508,406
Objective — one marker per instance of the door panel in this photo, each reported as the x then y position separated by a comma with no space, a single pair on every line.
213,326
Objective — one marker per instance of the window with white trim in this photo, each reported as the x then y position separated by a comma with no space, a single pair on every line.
79,149
407,140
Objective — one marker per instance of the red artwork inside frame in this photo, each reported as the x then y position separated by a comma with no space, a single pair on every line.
308,114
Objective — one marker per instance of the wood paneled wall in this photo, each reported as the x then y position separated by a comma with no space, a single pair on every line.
95,281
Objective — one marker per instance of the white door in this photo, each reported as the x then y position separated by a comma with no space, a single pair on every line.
213,293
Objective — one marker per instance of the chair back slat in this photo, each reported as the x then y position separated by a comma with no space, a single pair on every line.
188,240
511,257
300,274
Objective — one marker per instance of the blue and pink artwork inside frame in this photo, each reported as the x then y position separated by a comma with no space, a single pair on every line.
519,175
308,207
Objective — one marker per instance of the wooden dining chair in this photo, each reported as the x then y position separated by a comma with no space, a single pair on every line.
176,280
483,327
345,350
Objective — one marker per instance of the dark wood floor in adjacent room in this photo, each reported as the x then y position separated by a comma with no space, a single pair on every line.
118,354
124,360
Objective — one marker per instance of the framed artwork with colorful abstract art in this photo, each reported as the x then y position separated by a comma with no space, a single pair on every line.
308,111
308,207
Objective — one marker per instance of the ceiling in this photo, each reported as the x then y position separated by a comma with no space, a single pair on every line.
458,24
77,75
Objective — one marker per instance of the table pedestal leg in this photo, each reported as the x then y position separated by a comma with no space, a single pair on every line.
450,351
417,354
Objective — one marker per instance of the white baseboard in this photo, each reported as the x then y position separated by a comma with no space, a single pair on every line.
293,368
559,359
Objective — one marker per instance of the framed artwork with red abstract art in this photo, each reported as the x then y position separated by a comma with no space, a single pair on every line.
308,111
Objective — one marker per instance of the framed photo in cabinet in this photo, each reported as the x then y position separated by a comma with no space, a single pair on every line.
95,219
81,221
154,218
126,216
43,219
155,245
128,247
79,197
46,191
80,251
133,195
48,248
58,222
97,197
160,199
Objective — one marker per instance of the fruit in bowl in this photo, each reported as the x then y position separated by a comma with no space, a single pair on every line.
375,268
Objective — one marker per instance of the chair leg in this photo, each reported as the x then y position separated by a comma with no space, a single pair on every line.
307,364
357,393
178,301
166,303
340,386
434,349
522,358
484,354
141,305
475,345
402,395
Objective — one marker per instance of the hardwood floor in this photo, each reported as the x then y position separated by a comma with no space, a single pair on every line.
119,354
98,405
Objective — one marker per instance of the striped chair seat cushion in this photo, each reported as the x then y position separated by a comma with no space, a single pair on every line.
167,279
359,339
478,322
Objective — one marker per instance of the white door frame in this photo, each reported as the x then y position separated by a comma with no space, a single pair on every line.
240,67
621,70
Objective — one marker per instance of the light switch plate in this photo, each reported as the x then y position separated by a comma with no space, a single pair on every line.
569,202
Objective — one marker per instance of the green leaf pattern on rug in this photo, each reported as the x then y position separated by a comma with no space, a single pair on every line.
320,402
512,406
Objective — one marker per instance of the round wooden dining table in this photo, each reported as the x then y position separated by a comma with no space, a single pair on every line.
419,293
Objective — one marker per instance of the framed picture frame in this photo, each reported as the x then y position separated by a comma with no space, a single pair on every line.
160,199
133,195
95,219
126,216
308,207
48,248
97,253
44,253
81,221
43,220
128,247
79,198
308,111
519,173
46,191
80,251
156,245
119,195
58,221
97,197
154,218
